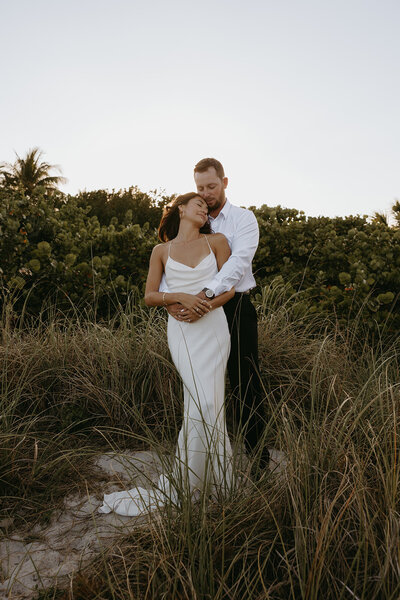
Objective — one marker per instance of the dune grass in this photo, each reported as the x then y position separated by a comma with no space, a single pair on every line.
328,526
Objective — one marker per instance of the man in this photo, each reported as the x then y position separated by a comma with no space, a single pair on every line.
241,230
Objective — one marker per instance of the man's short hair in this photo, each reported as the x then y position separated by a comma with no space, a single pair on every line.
205,163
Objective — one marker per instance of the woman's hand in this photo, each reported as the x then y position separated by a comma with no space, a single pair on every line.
197,306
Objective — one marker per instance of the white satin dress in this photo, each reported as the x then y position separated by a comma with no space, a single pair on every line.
203,457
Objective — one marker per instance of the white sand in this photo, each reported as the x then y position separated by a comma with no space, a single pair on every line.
46,556
75,534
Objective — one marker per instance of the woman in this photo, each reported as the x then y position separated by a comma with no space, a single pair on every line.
199,346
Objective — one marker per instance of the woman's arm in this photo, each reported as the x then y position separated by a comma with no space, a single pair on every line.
153,297
221,248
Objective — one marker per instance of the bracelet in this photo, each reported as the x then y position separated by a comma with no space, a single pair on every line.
163,298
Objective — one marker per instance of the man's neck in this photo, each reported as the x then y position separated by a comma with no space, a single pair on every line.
214,213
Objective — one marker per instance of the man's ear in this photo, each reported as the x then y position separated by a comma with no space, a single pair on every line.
225,182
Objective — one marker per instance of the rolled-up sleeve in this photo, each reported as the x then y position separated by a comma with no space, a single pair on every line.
243,247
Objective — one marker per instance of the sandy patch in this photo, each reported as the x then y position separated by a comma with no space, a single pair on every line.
48,556
44,557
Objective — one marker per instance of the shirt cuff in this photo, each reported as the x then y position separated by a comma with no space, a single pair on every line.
217,287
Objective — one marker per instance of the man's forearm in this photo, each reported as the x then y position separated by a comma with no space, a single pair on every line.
219,300
222,298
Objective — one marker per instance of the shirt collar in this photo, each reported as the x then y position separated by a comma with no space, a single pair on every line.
224,211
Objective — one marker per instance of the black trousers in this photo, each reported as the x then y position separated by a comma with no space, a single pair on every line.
248,410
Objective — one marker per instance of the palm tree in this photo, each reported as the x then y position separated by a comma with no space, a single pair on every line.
396,212
30,172
380,218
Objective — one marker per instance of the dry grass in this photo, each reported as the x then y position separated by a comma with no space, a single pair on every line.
328,528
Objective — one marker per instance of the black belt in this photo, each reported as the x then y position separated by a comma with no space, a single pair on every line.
243,293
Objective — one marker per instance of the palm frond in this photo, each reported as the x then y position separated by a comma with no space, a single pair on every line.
31,171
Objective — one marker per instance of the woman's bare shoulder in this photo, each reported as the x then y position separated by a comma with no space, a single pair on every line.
218,239
160,250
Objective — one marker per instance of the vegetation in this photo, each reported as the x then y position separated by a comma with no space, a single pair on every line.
84,369
88,248
343,267
327,527
73,253
30,172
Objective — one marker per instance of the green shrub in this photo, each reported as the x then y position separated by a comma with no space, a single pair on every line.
56,246
347,267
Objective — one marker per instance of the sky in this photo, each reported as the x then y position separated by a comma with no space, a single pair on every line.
298,99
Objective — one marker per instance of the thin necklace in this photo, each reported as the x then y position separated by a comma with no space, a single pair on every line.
189,241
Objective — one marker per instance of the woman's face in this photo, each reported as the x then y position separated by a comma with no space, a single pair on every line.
195,210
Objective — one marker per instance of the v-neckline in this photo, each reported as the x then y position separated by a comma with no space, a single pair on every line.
188,266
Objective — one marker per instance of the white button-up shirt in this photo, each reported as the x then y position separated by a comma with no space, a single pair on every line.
240,227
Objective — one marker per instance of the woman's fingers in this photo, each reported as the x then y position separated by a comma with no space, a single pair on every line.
190,315
194,310
187,315
207,304
189,318
202,307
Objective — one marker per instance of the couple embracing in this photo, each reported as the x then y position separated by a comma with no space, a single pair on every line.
202,274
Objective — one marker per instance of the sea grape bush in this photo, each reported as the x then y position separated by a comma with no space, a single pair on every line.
50,247
94,245
127,206
337,264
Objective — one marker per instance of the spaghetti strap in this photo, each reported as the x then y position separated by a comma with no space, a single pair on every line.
169,248
207,241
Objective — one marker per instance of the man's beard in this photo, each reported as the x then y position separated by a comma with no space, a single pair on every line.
218,202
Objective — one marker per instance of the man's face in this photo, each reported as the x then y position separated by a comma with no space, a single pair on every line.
212,189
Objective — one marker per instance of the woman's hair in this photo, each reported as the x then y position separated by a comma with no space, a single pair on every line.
169,224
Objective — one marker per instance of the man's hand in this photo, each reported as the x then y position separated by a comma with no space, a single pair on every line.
187,315
175,309
180,313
